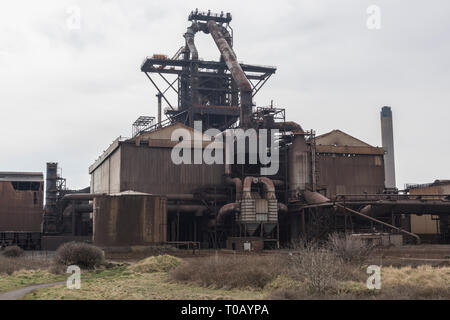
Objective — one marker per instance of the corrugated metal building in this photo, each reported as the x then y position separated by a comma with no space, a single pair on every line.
430,227
346,165
144,164
21,201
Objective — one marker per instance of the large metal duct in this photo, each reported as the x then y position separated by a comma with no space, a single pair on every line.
387,138
237,73
227,209
190,43
269,187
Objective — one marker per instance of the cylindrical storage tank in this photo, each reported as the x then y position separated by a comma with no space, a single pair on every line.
299,165
129,219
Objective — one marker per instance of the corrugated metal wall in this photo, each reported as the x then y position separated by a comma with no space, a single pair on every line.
129,220
151,170
20,210
350,174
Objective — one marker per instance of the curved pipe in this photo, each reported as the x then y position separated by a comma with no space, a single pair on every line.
227,209
246,191
269,187
315,197
190,36
190,43
237,73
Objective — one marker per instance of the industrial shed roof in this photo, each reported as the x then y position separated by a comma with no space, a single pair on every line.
22,176
338,141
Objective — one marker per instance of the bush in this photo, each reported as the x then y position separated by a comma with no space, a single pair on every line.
318,268
162,263
350,249
81,254
10,265
13,252
230,272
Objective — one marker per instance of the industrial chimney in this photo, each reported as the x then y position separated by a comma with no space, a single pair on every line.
387,138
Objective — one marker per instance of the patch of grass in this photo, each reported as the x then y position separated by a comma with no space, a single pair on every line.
282,281
24,278
231,271
163,263
122,284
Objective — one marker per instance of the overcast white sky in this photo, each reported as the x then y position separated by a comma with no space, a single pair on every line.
67,93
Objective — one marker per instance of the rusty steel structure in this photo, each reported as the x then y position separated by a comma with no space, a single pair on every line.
328,183
138,195
65,215
219,93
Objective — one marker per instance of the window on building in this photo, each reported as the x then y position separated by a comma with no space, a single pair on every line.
26,185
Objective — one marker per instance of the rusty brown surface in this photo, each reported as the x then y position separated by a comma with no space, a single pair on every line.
152,170
355,174
237,73
20,210
129,220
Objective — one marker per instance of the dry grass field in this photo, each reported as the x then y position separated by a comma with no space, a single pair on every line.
302,272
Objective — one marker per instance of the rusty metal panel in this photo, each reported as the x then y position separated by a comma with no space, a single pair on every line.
21,210
352,174
151,170
129,219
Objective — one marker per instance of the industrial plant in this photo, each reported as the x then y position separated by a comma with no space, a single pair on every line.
138,195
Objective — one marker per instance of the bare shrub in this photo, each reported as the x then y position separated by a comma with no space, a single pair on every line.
13,252
350,249
317,267
230,272
81,254
10,265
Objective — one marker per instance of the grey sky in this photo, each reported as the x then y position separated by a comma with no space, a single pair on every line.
67,94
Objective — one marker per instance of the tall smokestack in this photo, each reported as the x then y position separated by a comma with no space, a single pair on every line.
387,138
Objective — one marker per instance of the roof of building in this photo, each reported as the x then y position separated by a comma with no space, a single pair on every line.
440,182
22,176
165,133
338,141
340,138
159,138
